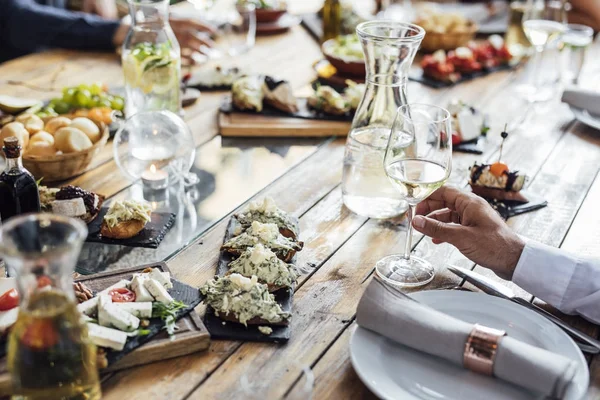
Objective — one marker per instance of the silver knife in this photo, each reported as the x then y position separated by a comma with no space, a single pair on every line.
592,345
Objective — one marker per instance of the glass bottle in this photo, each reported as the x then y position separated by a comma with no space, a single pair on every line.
18,189
48,347
389,49
151,59
332,19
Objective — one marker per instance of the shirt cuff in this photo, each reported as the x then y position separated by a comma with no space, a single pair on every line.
545,272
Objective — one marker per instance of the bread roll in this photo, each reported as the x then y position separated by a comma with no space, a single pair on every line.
88,127
71,140
33,124
56,123
41,149
42,136
16,129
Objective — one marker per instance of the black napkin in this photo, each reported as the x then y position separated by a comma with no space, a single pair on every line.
507,208
150,237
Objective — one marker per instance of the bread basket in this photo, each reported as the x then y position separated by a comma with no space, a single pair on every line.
450,40
64,166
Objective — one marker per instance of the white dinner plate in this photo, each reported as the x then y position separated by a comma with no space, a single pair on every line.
586,118
393,371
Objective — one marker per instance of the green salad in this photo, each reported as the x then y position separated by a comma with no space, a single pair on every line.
346,47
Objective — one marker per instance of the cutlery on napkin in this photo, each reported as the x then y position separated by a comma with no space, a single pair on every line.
583,99
396,316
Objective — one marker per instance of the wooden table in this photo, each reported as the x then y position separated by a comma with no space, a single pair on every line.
561,157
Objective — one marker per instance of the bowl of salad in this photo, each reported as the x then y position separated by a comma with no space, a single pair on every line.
345,54
268,11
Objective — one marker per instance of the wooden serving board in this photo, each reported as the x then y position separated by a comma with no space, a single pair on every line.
254,125
192,335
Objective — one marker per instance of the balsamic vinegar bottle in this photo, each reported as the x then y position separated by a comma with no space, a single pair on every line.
18,189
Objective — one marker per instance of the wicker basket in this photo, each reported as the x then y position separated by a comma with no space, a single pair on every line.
449,41
64,166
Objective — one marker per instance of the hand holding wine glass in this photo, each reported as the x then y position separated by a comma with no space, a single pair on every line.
418,161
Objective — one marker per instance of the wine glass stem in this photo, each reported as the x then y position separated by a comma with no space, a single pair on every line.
539,50
409,231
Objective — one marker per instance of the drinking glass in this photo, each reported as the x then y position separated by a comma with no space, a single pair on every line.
418,161
575,42
236,22
543,23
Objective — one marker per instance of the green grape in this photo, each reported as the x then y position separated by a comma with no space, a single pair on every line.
53,102
118,103
104,103
96,89
83,98
95,102
69,95
42,114
62,107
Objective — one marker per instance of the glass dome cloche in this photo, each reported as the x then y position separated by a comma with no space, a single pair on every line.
155,144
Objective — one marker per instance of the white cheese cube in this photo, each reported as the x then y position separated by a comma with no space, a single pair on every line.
120,319
141,293
158,291
106,337
104,301
70,208
140,310
88,307
164,278
470,124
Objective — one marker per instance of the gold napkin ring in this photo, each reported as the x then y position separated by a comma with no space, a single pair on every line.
480,349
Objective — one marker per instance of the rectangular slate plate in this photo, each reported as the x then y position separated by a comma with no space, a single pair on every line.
471,146
304,112
180,291
417,76
509,209
150,237
226,330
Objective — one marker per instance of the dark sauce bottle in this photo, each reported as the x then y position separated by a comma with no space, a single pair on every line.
18,189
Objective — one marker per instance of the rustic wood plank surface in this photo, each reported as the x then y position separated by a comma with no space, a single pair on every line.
560,157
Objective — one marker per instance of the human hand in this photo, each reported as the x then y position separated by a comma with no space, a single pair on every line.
469,223
193,36
104,8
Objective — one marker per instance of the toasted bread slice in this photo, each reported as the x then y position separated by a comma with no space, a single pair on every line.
254,321
123,230
87,218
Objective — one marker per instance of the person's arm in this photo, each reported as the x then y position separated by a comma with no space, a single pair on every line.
569,283
586,12
28,26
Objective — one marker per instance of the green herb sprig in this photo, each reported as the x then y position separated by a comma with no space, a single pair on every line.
168,313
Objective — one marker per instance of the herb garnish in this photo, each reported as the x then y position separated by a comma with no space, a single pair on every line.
168,313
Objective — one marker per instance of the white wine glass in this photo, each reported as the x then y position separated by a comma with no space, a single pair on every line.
544,22
418,161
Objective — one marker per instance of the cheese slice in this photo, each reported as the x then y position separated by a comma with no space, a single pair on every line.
469,124
103,300
89,307
141,293
106,337
140,310
70,208
164,278
158,291
118,318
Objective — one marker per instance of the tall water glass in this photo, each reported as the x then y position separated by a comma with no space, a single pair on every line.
418,161
575,42
389,49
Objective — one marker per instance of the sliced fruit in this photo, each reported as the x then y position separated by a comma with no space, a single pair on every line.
14,105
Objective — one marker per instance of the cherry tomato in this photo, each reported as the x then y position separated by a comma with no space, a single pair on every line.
122,295
9,300
43,281
455,139
40,335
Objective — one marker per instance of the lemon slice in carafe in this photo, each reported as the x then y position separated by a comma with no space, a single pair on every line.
158,75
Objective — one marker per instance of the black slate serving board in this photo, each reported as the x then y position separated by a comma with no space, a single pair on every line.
150,237
304,112
417,76
475,146
509,209
226,330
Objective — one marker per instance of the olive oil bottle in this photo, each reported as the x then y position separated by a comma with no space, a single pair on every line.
332,19
50,356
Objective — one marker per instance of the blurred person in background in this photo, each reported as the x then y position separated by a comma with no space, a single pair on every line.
29,26
586,12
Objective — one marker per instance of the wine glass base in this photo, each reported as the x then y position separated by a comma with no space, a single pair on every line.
401,272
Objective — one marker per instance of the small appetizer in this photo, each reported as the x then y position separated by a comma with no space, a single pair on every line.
436,66
491,52
278,93
266,234
68,195
347,48
125,219
496,181
247,93
215,78
265,265
354,93
244,300
326,99
267,212
467,122
464,60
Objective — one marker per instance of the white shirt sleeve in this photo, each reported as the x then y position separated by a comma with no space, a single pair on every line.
564,280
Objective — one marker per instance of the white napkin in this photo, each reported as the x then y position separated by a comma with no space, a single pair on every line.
584,99
397,317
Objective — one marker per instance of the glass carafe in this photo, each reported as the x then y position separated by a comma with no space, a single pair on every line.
151,59
49,353
389,48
